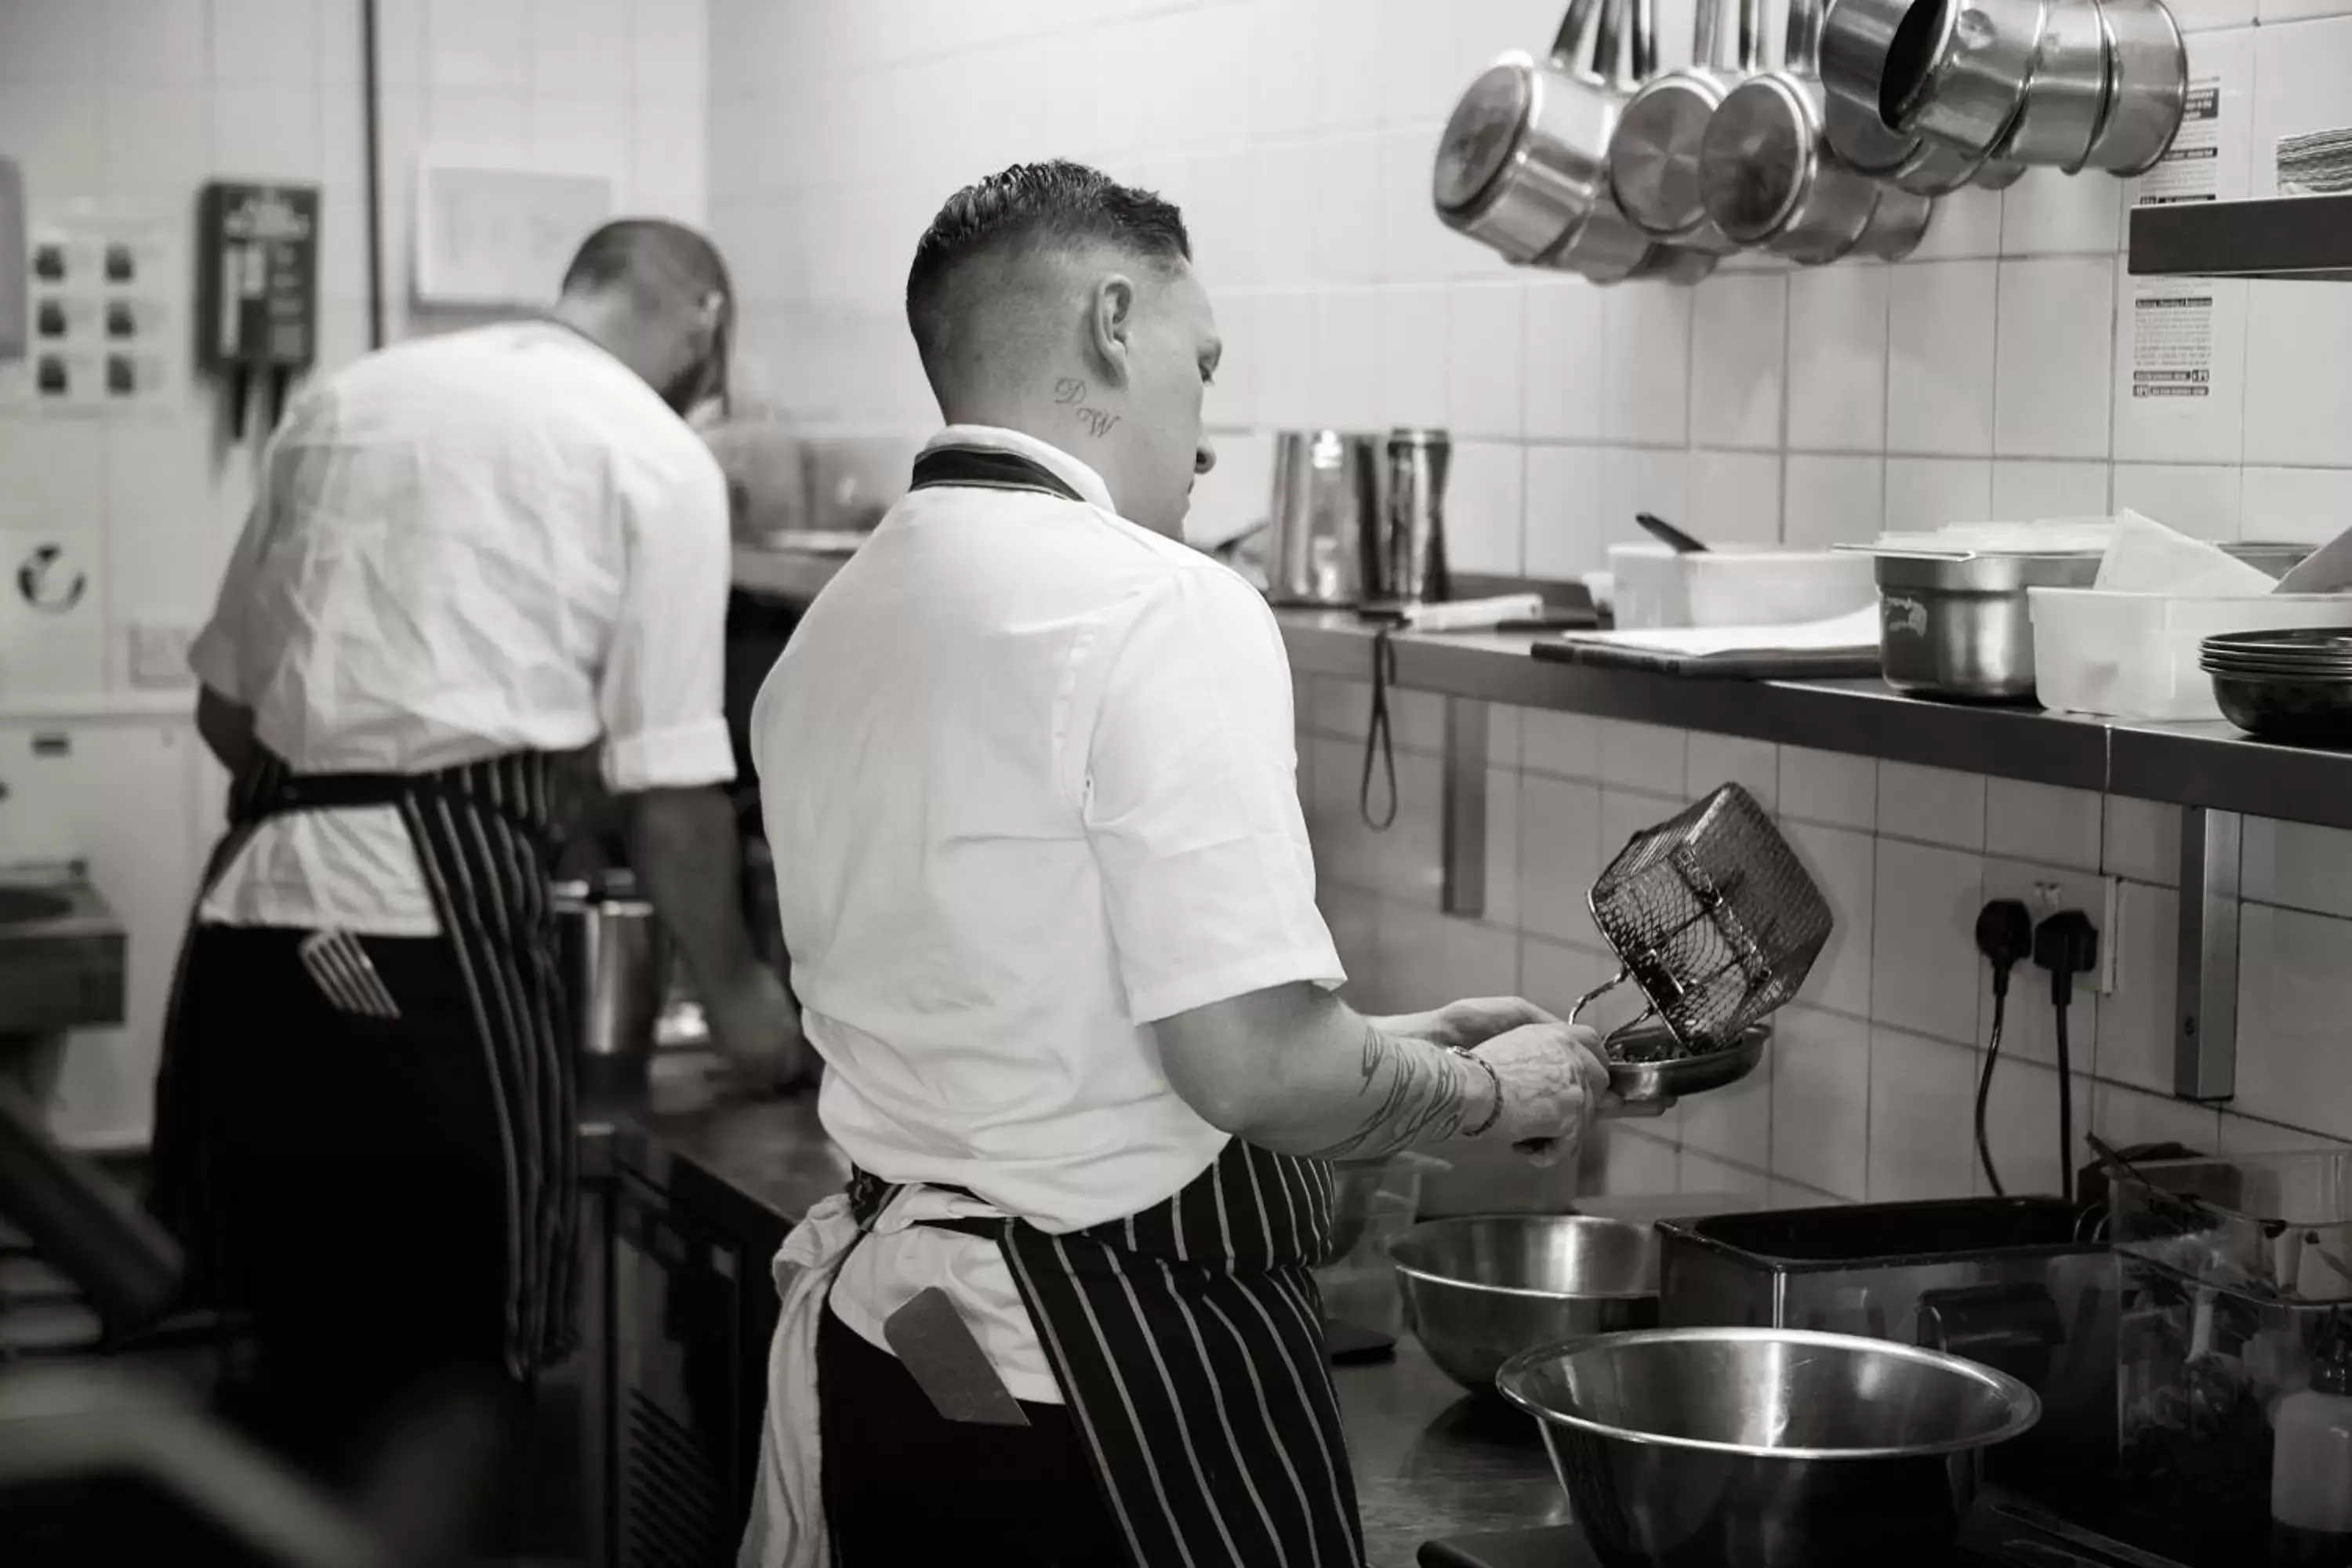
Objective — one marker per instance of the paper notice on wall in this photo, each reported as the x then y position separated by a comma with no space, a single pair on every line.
2316,162
2172,346
109,311
2191,170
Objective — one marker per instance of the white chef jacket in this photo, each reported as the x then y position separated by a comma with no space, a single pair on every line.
1029,773
492,541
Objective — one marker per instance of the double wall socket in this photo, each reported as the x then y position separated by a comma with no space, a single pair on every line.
2046,890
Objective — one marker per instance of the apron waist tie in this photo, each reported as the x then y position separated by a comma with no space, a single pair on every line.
485,835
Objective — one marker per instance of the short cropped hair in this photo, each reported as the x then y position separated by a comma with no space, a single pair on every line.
649,255
1030,205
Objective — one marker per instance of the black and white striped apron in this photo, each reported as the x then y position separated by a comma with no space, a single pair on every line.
1188,1343
486,834
1187,1340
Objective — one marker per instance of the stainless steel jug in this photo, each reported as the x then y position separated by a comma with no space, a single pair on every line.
615,958
1409,566
1325,515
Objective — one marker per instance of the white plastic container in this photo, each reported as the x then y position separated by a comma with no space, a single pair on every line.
1371,1201
2134,655
1758,585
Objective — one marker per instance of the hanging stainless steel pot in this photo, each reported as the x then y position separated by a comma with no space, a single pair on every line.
1856,36
2065,103
1766,169
1956,69
1520,162
1653,155
2150,90
1897,224
1605,245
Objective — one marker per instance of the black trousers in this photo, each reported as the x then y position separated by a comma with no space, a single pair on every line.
904,1486
359,1183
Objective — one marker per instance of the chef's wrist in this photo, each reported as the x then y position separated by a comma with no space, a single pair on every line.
1481,1122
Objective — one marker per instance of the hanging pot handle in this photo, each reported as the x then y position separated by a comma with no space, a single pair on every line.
1801,52
1644,49
1725,36
1706,35
1609,42
1572,45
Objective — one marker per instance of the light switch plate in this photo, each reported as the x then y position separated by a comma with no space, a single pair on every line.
159,657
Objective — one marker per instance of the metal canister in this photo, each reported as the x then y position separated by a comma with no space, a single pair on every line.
1408,565
1325,510
615,958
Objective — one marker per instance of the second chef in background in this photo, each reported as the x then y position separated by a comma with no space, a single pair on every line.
1028,769
474,557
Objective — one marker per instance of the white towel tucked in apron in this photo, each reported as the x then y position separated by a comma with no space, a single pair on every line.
786,1528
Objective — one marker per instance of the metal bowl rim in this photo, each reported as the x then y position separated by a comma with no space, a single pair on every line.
2024,1405
1387,1246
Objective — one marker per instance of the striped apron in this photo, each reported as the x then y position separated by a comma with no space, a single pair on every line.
1187,1340
486,834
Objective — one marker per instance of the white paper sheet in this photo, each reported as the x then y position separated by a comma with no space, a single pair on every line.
1858,631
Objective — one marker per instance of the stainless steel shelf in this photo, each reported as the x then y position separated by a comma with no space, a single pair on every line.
2277,237
2208,765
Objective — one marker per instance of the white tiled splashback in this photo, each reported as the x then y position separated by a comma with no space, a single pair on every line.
1989,375
1872,1083
139,101
1981,376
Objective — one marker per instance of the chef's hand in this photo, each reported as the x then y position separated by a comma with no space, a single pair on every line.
1469,1022
1554,1083
755,1027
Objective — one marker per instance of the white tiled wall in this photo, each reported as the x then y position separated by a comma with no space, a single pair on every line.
1872,1084
1981,378
136,103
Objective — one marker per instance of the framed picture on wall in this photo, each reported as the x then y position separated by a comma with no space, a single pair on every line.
489,238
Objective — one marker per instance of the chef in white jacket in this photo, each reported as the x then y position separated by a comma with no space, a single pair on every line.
477,560
1027,767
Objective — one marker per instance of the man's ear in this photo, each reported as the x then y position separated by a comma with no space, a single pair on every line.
1110,326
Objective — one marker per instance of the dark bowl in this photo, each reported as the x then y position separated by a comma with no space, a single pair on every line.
2296,712
2324,644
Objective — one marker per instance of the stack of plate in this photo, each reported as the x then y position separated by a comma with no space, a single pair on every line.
2290,685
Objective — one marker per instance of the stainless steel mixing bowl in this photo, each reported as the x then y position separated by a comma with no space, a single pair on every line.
1479,1291
1765,1447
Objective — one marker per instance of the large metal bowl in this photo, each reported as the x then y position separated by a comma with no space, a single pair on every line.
1766,1447
1478,1290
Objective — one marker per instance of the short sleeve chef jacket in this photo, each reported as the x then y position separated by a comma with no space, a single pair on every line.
1030,777
490,541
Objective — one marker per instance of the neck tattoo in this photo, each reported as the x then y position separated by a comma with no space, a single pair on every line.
1070,392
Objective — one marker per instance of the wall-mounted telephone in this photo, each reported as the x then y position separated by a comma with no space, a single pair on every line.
257,289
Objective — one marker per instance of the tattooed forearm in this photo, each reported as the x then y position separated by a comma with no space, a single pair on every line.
1414,1093
1070,392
